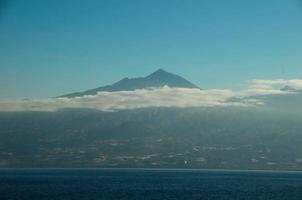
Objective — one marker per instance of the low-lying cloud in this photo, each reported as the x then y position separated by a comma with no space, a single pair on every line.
269,87
156,97
295,83
275,83
111,101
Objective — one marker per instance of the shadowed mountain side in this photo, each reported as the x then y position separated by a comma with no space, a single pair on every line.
158,78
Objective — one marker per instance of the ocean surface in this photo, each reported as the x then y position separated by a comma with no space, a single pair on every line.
145,184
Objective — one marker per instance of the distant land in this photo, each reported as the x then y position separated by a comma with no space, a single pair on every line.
159,78
266,137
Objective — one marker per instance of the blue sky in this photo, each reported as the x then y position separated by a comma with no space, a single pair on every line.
49,48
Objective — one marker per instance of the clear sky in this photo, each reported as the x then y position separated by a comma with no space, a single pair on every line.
49,48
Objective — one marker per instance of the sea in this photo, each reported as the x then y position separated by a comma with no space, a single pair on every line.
147,184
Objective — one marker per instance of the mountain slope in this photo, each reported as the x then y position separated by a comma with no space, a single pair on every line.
158,78
216,138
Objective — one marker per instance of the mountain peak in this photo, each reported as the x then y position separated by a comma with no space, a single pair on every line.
160,73
159,78
160,70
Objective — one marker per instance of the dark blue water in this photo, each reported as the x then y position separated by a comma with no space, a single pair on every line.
148,184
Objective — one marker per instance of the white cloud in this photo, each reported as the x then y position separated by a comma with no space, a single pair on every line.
110,101
269,87
295,83
157,97
257,91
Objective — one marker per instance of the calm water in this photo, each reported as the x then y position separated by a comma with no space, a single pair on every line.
148,184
